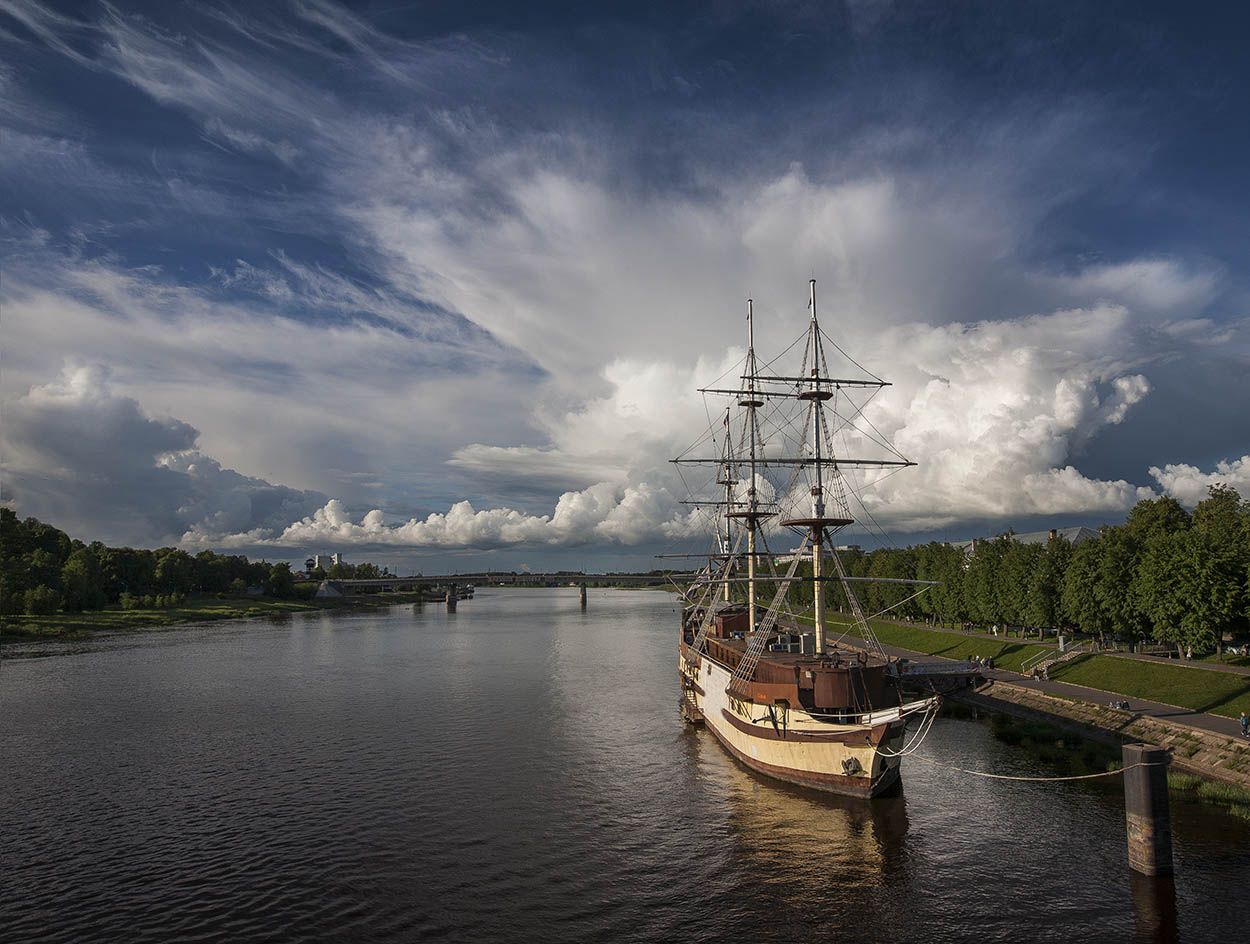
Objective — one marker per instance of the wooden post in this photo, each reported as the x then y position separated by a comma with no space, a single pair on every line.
583,596
451,598
1146,809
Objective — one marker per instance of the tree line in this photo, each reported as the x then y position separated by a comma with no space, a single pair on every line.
43,570
1166,574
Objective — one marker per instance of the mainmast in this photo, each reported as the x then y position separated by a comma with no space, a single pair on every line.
729,479
817,390
751,404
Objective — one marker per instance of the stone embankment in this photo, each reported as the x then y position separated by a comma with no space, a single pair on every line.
1202,753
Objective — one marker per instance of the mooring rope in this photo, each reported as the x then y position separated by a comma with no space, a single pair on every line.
926,725
982,773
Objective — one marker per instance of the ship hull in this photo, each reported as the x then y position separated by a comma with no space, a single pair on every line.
858,760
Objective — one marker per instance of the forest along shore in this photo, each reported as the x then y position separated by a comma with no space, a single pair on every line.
202,609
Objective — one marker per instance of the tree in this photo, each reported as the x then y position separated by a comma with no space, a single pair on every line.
1225,518
281,582
1014,584
1046,584
981,587
1117,565
1156,517
82,583
945,564
1078,599
175,571
1189,585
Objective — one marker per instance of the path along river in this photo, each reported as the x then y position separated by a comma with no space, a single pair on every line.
517,772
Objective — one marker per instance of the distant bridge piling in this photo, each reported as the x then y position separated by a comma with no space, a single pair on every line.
1146,809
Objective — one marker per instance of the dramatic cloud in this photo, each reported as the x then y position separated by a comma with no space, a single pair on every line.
73,449
465,281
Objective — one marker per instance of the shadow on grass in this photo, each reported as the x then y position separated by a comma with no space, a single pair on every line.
1227,700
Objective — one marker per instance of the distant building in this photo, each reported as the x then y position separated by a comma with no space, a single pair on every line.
1074,536
326,561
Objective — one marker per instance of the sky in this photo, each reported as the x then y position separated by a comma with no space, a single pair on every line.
435,284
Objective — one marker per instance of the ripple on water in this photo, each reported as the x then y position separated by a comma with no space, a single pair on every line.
514,772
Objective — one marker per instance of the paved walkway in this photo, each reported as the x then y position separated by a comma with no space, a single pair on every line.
1172,713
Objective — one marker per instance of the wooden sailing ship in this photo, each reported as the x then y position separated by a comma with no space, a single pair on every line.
783,691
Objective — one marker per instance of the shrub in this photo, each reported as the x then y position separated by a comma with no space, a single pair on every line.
41,601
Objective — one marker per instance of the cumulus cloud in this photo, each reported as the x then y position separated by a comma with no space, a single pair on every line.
538,321
1189,485
602,513
79,455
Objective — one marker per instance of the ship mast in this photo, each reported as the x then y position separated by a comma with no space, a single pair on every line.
816,394
751,404
729,480
829,509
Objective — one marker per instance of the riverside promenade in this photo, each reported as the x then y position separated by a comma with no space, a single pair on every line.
1203,721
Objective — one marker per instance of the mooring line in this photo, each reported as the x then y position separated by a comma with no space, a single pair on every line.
982,773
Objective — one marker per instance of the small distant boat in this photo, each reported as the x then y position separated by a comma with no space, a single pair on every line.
778,697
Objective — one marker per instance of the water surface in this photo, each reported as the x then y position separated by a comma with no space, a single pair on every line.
518,771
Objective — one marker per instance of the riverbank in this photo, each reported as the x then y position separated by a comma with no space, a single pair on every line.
1192,686
24,628
1200,753
1067,740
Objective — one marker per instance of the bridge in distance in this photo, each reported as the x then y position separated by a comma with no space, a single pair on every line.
501,579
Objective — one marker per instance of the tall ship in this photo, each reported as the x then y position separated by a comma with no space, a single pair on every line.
790,686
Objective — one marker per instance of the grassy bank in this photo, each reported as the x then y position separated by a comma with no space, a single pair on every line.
1186,686
936,642
1219,693
1070,755
193,610
1232,798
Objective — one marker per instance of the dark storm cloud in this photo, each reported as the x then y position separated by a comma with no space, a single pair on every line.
505,225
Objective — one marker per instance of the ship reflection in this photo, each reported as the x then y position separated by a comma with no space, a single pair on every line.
814,861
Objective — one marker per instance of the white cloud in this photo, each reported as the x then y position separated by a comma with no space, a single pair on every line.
627,299
1188,484
602,513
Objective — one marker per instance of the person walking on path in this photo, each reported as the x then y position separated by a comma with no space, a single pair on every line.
1245,724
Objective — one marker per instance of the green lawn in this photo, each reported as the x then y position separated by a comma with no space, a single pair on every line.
1243,661
1219,693
935,642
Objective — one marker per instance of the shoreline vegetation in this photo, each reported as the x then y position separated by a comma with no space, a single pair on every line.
1071,754
192,610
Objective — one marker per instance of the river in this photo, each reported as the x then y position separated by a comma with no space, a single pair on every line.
517,771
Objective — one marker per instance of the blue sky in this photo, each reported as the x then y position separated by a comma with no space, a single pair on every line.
308,276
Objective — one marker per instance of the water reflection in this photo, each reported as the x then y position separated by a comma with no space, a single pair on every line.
1154,908
812,861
